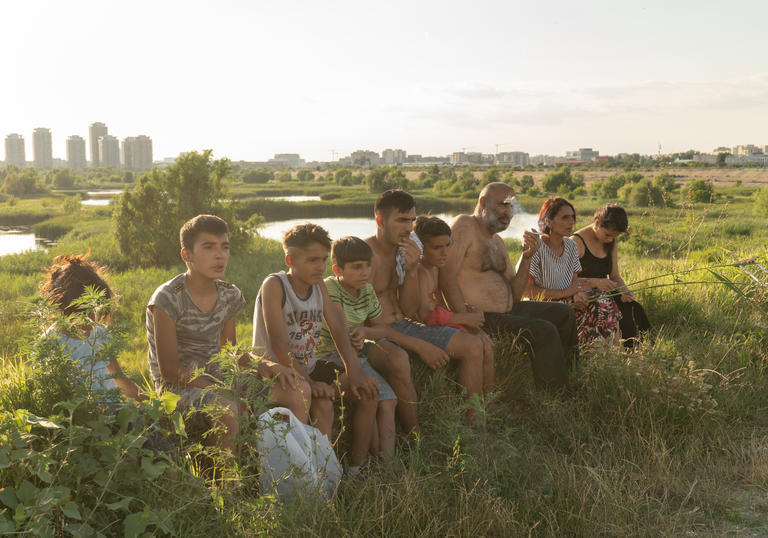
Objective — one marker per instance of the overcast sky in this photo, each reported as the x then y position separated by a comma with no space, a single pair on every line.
253,78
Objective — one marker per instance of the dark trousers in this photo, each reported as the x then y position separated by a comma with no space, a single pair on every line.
548,329
633,321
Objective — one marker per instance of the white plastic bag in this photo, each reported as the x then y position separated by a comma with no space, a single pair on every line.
296,459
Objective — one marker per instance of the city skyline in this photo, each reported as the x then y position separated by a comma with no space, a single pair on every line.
251,80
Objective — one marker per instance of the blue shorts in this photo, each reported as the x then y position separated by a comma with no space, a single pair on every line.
385,391
437,335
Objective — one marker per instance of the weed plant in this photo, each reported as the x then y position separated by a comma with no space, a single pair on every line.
665,439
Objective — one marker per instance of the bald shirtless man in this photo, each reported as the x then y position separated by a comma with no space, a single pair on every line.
396,284
479,275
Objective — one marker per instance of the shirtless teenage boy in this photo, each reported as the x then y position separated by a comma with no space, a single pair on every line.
396,284
479,275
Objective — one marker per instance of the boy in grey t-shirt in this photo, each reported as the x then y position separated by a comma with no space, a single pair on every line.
191,316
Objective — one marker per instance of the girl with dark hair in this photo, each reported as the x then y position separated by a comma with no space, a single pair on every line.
66,281
599,262
555,275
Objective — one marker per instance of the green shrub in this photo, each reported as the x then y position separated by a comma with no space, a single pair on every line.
698,191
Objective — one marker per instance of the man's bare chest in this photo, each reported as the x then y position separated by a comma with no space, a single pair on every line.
485,255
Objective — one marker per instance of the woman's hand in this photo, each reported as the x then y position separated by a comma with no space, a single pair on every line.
605,284
580,300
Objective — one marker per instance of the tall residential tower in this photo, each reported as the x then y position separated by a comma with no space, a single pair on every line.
14,150
42,148
96,131
76,152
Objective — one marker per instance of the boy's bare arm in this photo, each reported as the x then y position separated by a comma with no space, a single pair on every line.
429,353
427,289
277,333
448,275
127,387
408,294
167,351
361,385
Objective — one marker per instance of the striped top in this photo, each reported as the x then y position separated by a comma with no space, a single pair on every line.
554,272
357,310
198,333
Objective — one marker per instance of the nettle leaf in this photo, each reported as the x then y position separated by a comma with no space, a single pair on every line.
26,493
178,423
153,469
135,524
44,475
169,400
121,504
71,510
43,422
80,529
6,525
8,497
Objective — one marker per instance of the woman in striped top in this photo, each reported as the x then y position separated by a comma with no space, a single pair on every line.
554,275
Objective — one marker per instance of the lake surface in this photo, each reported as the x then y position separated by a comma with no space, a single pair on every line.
363,227
293,198
15,241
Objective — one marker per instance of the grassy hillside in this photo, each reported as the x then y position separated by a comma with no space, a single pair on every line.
665,440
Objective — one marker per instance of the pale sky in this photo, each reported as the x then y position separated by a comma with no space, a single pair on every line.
253,78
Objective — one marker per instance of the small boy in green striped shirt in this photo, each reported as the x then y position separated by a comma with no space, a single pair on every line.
350,290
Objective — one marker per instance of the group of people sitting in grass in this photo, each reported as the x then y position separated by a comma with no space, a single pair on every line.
417,290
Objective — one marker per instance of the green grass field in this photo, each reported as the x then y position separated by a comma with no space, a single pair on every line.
669,439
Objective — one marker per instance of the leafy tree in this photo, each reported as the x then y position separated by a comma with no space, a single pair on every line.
448,173
257,176
491,175
665,181
642,194
284,176
343,177
699,190
382,178
721,159
608,188
63,179
22,182
305,175
526,182
554,180
147,218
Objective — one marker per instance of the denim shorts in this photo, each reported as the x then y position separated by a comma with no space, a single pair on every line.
437,335
385,391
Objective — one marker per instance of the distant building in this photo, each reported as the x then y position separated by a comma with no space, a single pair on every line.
747,149
137,153
546,160
582,154
458,157
722,149
42,148
76,152
14,150
292,160
393,157
513,158
365,158
96,131
109,151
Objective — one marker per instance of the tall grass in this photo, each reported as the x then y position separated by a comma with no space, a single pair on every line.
667,439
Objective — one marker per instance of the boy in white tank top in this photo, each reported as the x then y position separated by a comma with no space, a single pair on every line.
287,320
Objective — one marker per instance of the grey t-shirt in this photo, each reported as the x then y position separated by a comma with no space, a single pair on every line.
197,333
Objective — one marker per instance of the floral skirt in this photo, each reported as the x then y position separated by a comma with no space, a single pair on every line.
599,320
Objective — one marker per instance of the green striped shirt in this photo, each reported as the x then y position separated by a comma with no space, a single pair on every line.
357,310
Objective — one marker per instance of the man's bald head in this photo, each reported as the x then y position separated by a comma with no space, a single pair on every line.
494,206
496,190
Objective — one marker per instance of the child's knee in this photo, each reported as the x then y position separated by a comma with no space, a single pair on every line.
321,408
387,407
400,365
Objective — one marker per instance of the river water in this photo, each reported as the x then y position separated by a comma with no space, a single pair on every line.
13,241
